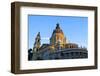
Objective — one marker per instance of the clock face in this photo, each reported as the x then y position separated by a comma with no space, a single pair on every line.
58,41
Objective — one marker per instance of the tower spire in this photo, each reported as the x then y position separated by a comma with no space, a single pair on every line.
37,42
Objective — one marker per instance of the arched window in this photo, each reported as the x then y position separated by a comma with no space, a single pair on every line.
70,46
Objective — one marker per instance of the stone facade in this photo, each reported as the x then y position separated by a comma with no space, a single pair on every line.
59,48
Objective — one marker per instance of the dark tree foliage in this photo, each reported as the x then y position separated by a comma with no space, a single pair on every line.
30,54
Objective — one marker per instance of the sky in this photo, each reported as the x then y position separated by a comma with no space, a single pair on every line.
75,28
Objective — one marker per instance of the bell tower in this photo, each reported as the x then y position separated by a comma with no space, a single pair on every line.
37,42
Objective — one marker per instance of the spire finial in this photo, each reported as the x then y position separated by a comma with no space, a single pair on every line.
38,34
57,26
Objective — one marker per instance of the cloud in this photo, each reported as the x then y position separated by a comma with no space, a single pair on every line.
45,38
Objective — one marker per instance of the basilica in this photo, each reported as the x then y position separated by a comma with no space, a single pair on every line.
58,48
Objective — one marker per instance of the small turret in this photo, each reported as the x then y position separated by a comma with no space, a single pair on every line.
57,26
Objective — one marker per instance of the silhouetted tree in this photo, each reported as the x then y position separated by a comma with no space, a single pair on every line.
30,54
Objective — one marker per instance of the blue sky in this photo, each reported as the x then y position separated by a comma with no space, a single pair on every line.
74,28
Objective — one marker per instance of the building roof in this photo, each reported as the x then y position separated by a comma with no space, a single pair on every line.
44,46
71,44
